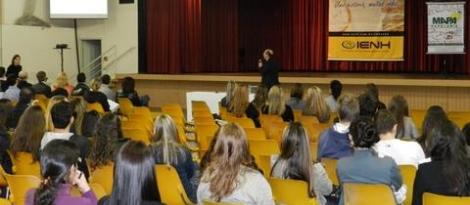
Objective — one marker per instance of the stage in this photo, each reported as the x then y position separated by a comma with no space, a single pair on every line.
421,91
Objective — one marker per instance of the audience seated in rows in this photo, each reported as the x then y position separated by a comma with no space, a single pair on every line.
403,152
315,105
334,142
240,105
168,150
60,173
295,162
230,176
335,92
406,128
448,172
276,105
296,101
134,177
364,166
41,88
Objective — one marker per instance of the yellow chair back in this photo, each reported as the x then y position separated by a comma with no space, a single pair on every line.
96,107
367,194
125,106
435,199
243,122
204,134
408,173
287,191
170,187
136,135
20,185
255,134
4,202
24,164
98,190
104,177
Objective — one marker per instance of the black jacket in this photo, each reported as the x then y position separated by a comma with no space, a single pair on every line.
95,96
42,88
14,69
270,73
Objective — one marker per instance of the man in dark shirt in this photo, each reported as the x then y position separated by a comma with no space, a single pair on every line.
269,69
41,87
81,88
23,80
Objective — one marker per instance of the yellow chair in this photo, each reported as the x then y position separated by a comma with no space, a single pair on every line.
266,120
264,147
255,134
4,202
330,168
418,117
204,134
408,173
460,118
307,120
274,130
133,124
367,194
23,164
136,135
264,163
125,106
206,202
104,177
204,121
98,190
201,114
243,122
313,150
435,199
170,187
297,115
314,130
287,191
174,110
20,185
96,107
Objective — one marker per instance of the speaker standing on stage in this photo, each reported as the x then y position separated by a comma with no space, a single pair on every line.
269,69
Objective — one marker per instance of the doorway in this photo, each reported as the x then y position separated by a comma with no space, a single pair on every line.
91,58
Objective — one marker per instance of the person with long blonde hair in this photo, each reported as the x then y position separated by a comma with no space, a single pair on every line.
228,177
276,105
226,101
241,105
315,105
62,81
168,150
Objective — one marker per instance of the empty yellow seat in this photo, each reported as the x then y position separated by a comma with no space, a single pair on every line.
408,173
255,134
104,177
204,134
136,135
264,147
307,120
435,199
24,164
203,120
203,113
314,130
170,187
367,194
98,190
287,191
243,122
125,106
20,185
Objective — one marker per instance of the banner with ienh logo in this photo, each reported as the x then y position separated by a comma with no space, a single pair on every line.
446,28
366,30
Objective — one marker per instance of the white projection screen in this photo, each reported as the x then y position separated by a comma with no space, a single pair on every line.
78,9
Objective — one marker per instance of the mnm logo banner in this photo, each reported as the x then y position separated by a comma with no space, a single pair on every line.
365,48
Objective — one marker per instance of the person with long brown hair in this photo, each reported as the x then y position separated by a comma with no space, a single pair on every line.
28,138
276,105
295,162
6,108
315,105
241,106
168,150
261,96
227,177
406,128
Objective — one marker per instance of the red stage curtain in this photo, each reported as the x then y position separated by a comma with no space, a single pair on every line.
235,32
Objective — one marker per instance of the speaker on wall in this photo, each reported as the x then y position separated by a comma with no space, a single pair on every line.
126,1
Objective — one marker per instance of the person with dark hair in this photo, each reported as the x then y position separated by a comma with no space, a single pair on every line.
108,139
134,177
15,67
296,97
168,150
269,69
81,88
13,92
261,96
26,96
335,92
403,152
5,110
28,138
94,95
334,142
368,105
90,120
406,128
60,92
128,91
60,172
372,89
41,87
435,115
106,89
364,166
448,172
62,115
23,80
295,162
466,133
3,80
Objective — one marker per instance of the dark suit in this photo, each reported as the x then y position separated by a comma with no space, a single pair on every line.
270,73
42,88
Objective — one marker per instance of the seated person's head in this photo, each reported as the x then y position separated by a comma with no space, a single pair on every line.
62,115
363,133
368,105
106,79
95,84
386,123
58,166
41,76
81,78
26,95
23,75
297,91
372,89
348,108
335,88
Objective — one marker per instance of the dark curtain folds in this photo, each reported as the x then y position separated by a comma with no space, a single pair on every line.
229,35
